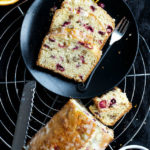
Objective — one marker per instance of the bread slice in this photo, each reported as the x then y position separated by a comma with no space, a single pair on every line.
72,128
86,23
69,55
110,107
91,7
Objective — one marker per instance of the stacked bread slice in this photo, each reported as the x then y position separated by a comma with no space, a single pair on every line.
77,35
86,7
56,56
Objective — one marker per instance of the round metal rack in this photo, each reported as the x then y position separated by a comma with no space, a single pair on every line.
13,76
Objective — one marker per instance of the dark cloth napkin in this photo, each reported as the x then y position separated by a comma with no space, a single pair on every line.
141,11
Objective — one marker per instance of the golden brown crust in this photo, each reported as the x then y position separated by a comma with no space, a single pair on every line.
52,22
107,139
95,100
69,129
64,129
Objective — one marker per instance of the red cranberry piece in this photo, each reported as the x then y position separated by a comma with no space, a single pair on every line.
45,45
81,43
100,41
78,65
101,32
102,5
102,104
96,113
79,10
82,59
51,40
66,23
85,45
88,46
78,21
86,113
81,77
61,58
94,119
93,8
56,148
59,67
104,130
88,27
112,102
53,56
76,47
62,46
109,29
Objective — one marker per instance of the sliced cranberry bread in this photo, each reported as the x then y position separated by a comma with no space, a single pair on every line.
72,128
68,55
110,107
91,7
73,46
86,23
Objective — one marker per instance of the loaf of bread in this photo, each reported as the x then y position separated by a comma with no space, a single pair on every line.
72,128
110,107
77,35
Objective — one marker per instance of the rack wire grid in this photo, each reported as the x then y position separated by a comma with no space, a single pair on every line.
13,76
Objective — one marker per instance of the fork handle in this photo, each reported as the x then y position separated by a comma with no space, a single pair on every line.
82,87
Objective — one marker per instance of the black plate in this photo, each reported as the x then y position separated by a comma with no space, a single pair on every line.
109,74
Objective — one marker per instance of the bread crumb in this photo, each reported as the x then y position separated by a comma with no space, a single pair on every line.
103,67
130,34
119,52
53,9
135,106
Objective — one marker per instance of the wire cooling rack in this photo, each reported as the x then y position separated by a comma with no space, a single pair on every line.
13,76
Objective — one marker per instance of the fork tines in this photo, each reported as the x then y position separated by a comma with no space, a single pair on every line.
123,25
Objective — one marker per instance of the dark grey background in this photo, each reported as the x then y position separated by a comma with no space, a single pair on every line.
141,11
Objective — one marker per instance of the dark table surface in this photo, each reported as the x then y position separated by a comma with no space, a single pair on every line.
141,11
